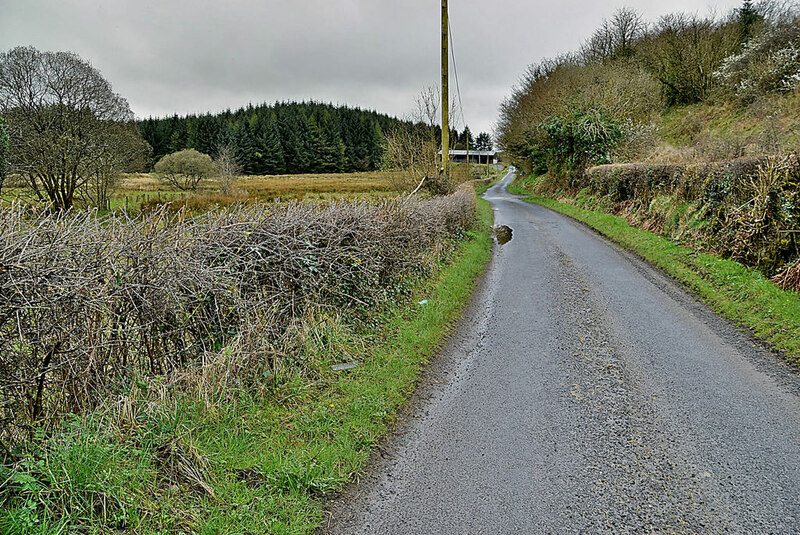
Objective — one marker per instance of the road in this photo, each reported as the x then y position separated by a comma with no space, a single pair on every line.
585,392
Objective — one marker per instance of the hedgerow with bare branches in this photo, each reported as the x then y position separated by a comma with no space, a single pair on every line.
90,304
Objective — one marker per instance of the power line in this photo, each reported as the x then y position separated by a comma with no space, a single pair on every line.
455,71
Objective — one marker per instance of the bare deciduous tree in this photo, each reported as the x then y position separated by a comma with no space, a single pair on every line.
413,149
615,37
122,149
428,104
61,115
684,51
412,152
228,169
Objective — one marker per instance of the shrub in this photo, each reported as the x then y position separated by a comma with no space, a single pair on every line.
185,169
623,182
767,63
683,52
751,206
574,142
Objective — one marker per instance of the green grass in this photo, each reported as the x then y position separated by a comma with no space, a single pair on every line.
739,293
274,456
480,189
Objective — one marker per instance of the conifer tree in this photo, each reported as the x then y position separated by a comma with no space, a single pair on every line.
312,136
314,145
483,141
206,134
245,145
466,138
272,161
749,17
377,146
332,157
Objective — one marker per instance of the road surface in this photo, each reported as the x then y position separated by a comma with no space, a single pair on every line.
585,392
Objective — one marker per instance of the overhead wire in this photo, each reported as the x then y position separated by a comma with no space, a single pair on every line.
455,71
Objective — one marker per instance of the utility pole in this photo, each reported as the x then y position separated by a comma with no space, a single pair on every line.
445,95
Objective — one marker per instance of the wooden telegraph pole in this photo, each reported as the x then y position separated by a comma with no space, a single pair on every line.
445,95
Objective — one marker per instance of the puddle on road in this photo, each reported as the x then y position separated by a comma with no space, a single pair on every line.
503,234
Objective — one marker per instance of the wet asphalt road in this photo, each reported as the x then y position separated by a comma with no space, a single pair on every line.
585,392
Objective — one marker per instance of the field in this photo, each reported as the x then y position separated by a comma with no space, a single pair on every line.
138,190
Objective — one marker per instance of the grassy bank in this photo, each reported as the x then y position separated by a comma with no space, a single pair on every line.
741,294
253,460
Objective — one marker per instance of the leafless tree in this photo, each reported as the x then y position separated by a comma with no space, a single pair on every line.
428,104
413,149
615,37
684,51
412,152
778,10
228,169
61,114
122,149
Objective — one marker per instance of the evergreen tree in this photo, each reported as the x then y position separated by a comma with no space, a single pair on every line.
245,146
270,149
313,137
206,135
332,156
377,145
466,138
293,135
483,142
225,135
178,136
749,17
314,145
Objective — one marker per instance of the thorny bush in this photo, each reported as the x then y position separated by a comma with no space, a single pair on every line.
89,304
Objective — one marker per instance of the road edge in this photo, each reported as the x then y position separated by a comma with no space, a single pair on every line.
431,380
703,297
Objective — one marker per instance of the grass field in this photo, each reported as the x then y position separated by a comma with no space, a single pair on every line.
138,189
142,188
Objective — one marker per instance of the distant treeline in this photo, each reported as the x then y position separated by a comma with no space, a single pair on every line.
307,137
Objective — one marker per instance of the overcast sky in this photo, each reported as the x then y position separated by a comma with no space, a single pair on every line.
193,56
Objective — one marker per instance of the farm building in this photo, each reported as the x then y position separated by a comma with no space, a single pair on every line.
475,156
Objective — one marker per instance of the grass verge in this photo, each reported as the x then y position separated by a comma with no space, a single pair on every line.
739,293
259,462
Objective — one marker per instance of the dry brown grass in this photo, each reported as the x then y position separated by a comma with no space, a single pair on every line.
274,184
299,186
146,191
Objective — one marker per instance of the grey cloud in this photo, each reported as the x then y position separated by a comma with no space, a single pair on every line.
188,56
